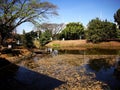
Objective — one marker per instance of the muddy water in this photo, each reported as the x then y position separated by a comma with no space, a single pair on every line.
14,77
104,66
94,51
106,69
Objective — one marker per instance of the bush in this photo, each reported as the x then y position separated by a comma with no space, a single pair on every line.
99,31
45,37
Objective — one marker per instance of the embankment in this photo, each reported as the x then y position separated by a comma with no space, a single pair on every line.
82,44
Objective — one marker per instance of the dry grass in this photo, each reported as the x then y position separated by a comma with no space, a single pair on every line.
36,43
11,58
67,43
82,44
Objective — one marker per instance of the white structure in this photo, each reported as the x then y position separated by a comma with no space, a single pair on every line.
9,46
63,39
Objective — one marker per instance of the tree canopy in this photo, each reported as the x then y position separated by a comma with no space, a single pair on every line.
28,38
54,28
73,31
117,17
15,12
45,37
99,30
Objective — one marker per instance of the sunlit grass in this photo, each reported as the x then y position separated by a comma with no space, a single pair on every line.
84,44
37,43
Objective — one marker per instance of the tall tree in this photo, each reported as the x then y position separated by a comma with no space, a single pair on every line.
73,31
28,38
54,28
117,17
99,30
15,12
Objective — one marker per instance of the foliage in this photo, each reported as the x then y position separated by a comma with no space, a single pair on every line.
98,30
15,12
17,37
118,33
28,39
117,17
72,31
45,37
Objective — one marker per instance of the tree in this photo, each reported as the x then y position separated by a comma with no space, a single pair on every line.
54,28
117,17
72,31
45,37
28,39
98,30
118,33
15,12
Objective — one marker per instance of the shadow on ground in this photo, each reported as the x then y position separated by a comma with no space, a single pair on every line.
13,77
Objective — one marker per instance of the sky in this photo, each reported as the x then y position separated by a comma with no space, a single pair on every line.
79,11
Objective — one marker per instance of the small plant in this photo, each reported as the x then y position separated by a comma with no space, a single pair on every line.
56,45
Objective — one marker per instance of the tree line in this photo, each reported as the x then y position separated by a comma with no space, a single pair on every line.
97,31
15,12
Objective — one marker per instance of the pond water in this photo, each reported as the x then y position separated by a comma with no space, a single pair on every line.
14,77
95,51
106,68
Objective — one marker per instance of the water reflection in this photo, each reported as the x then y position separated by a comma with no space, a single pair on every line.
52,51
36,81
81,52
99,51
101,63
13,77
38,57
105,71
93,51
7,69
117,68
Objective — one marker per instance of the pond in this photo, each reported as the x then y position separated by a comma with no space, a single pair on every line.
106,67
105,70
15,77
94,51
104,63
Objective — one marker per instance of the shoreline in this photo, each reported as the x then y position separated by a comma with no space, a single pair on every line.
15,59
